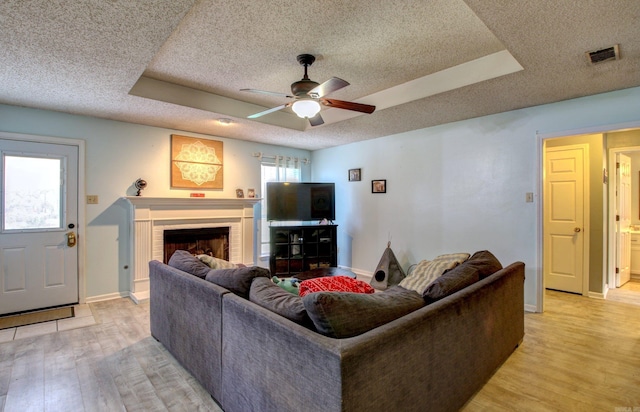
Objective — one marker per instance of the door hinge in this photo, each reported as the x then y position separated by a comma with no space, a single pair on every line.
617,218
617,270
617,165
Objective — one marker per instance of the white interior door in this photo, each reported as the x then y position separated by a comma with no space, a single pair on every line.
564,218
623,219
39,217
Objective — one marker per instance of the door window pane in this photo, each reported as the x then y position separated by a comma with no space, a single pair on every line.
32,193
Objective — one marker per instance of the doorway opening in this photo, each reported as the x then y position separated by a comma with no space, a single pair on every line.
602,233
624,216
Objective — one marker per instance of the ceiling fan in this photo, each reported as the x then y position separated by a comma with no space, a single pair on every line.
309,95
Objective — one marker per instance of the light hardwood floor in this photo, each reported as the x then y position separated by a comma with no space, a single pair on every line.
580,355
114,365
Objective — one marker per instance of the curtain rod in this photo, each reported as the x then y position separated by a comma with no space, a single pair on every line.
261,156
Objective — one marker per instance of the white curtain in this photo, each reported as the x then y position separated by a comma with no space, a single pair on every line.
287,169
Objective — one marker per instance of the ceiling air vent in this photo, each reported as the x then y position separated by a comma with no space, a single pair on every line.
603,55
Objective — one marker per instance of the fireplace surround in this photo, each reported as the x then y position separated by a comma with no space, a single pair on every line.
150,217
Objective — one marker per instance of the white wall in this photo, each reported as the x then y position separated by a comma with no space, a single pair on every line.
117,154
456,187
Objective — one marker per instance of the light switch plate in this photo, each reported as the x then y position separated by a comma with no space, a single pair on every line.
529,197
92,199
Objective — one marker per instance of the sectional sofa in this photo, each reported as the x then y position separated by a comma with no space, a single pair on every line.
249,358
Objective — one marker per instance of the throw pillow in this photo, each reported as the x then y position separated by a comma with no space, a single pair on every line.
486,263
477,267
450,282
185,261
215,263
236,280
335,284
417,273
270,296
343,315
427,271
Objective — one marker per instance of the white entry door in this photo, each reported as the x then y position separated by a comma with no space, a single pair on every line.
623,219
564,218
39,215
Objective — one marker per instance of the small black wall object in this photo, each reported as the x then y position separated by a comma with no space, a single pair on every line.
388,272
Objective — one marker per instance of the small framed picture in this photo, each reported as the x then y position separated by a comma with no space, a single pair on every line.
379,186
251,193
239,193
354,175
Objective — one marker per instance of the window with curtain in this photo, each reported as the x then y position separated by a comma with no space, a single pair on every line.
276,169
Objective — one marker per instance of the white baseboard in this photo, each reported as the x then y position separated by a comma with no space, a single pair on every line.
362,275
108,296
138,297
597,295
530,308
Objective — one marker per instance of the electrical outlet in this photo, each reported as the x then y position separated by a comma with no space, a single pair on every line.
92,199
529,197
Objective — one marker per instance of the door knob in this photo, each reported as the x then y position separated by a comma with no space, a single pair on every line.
71,239
576,229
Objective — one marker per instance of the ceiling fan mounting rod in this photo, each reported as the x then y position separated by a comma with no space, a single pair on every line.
306,60
300,88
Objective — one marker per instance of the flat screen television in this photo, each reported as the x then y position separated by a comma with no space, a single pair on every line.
300,201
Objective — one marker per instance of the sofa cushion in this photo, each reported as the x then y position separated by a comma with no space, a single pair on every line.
186,262
236,280
486,263
343,315
216,263
427,271
450,282
478,266
270,296
334,284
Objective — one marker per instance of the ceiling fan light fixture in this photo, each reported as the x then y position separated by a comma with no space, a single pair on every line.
306,108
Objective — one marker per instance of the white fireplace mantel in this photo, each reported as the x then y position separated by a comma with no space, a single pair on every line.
151,216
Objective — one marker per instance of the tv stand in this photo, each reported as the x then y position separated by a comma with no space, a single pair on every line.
296,249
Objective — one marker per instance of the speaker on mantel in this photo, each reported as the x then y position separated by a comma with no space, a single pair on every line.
388,272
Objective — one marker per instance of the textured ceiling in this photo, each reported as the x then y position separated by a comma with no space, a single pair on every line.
92,57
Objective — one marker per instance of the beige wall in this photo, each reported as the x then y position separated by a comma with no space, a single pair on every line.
635,186
627,138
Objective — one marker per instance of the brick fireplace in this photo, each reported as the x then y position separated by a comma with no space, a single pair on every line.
151,217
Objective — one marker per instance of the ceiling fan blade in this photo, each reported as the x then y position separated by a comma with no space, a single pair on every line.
267,92
274,109
327,87
356,107
316,120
